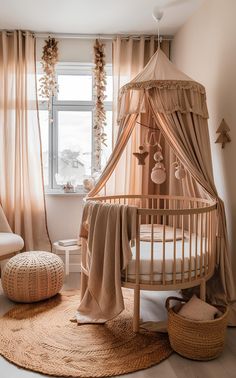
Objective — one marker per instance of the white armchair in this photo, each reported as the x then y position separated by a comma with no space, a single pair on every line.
10,243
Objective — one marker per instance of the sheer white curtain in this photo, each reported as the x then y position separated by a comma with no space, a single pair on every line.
21,176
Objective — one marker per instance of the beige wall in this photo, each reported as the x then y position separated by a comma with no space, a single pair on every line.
205,49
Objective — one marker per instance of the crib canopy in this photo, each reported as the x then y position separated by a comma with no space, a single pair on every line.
163,100
172,89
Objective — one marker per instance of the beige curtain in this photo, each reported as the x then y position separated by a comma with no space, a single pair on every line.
21,178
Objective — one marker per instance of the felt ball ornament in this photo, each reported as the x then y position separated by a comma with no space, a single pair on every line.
180,173
158,156
158,175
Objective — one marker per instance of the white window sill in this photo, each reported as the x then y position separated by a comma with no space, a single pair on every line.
62,194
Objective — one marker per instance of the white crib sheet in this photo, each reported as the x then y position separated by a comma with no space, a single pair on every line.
145,259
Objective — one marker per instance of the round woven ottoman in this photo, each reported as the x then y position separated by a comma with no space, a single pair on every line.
32,276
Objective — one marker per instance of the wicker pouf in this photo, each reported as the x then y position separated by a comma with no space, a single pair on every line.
33,276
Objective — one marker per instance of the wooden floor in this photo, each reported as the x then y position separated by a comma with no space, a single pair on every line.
152,305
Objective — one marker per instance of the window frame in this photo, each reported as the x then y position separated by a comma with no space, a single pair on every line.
66,68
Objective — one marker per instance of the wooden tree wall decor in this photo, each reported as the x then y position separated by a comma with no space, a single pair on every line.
100,112
223,131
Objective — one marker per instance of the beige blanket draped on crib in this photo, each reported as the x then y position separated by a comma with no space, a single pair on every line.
107,233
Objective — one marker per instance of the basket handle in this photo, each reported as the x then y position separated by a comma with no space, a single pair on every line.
174,299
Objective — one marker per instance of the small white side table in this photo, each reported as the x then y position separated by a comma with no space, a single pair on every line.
57,247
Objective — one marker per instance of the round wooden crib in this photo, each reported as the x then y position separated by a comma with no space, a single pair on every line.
175,244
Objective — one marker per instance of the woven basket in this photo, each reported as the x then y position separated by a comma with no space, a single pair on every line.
32,276
197,340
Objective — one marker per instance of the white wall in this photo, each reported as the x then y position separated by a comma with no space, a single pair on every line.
63,215
205,49
64,211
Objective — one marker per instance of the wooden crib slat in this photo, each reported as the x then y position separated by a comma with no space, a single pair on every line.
136,317
164,251
205,246
196,240
137,260
182,264
158,207
208,242
153,207
211,241
172,207
165,209
190,246
152,249
201,243
147,206
174,250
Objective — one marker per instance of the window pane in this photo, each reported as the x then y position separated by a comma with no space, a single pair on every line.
75,87
74,145
109,89
106,151
44,128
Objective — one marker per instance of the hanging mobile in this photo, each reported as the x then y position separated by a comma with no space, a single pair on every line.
158,174
151,139
180,172
141,156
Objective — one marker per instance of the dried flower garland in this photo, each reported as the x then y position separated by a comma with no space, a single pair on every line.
48,83
100,113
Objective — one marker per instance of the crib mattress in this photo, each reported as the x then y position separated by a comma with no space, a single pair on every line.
197,260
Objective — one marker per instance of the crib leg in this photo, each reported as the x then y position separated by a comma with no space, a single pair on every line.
136,308
203,290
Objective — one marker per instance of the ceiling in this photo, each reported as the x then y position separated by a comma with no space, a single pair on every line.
94,16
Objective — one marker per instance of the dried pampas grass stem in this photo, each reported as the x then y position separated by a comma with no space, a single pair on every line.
100,113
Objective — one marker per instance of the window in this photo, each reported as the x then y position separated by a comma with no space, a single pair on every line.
67,131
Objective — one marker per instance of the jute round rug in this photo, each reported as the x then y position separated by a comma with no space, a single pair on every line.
40,337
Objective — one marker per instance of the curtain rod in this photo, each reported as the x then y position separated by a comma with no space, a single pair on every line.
94,36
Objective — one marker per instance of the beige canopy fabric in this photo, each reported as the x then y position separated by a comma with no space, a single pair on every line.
163,96
129,56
